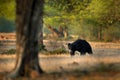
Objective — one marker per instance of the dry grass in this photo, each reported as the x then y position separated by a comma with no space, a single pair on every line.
104,64
72,76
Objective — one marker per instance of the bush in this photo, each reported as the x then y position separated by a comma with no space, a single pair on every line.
112,33
57,51
42,48
6,25
8,52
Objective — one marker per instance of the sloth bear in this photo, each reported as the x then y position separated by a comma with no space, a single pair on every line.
81,46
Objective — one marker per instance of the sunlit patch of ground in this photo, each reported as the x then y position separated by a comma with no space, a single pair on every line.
66,63
104,64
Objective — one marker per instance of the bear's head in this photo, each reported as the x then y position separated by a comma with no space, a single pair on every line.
71,49
69,46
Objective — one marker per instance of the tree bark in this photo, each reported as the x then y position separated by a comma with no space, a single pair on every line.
100,33
29,15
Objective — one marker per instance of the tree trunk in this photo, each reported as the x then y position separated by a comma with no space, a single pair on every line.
100,33
29,15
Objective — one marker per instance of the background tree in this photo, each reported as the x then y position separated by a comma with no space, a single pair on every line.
7,15
65,12
6,25
7,9
89,19
28,23
102,16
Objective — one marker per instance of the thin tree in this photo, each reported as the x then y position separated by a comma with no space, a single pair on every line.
29,21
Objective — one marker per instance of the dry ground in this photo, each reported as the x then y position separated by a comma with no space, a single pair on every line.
104,64
72,76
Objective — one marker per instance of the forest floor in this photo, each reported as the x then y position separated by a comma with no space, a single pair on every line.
106,75
104,64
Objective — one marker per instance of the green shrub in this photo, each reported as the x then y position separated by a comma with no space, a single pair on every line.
8,52
41,48
57,51
6,25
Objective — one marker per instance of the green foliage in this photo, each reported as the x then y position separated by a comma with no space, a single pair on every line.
59,12
41,48
89,19
7,15
6,25
7,9
57,51
104,12
69,6
112,33
9,52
